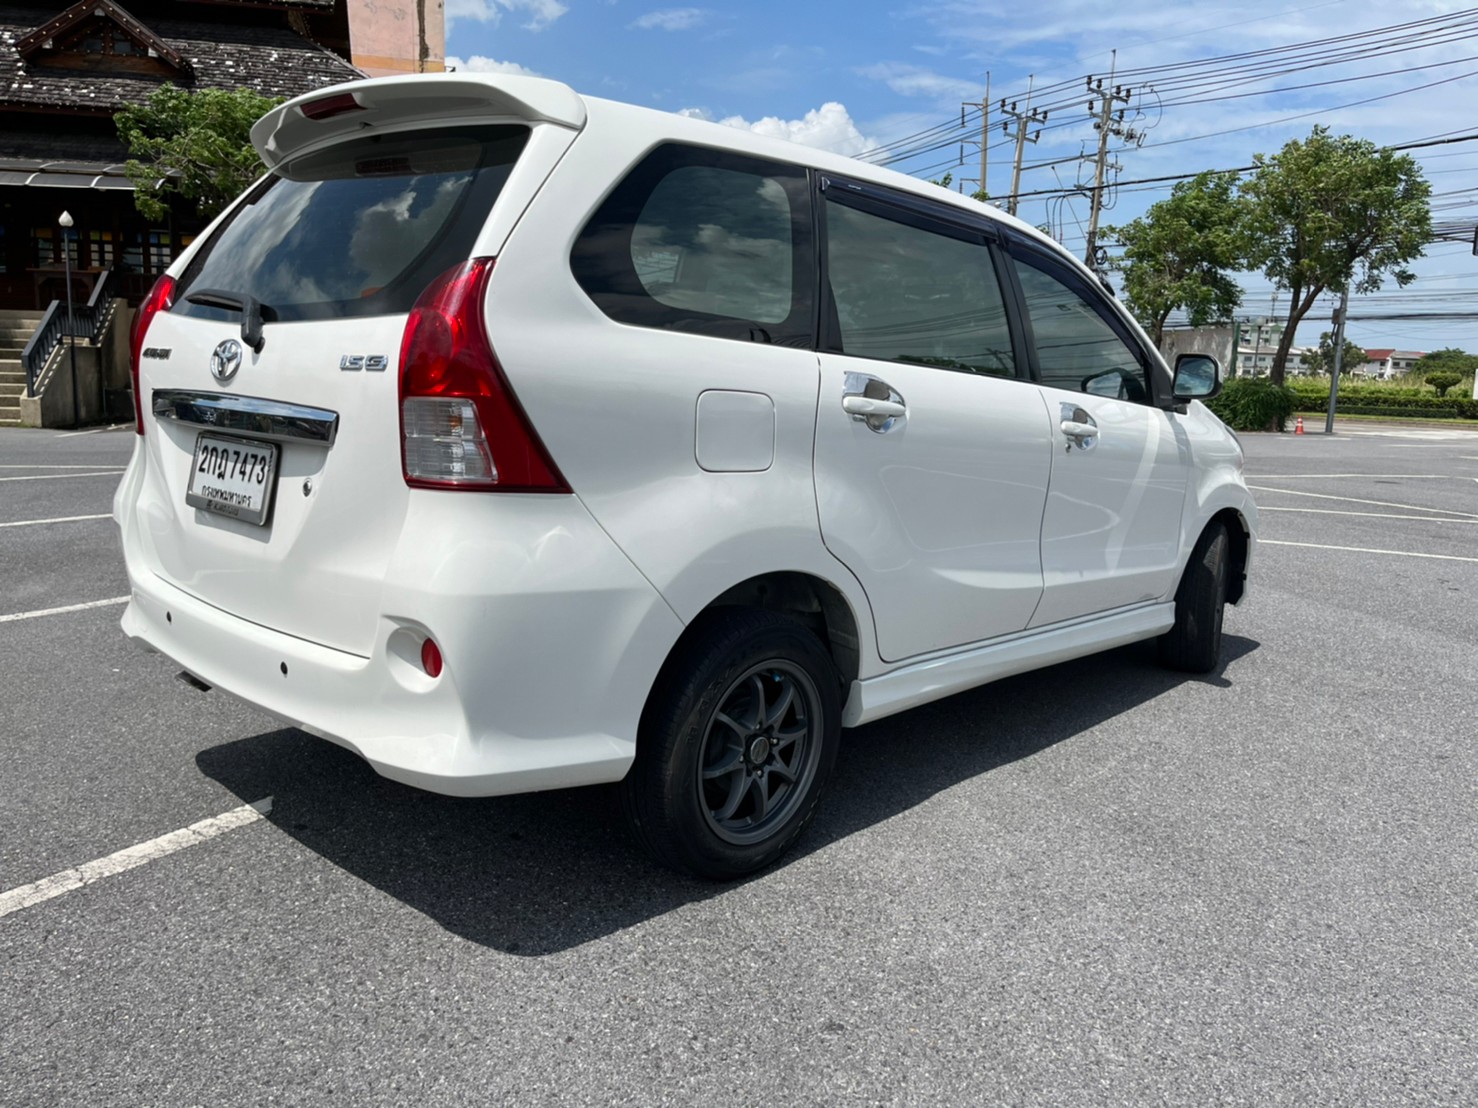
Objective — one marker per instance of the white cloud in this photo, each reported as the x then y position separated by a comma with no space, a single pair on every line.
479,64
828,127
913,80
671,19
540,13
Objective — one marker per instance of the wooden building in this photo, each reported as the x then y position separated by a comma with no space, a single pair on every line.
64,71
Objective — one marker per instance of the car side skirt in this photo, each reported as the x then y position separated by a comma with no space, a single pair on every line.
943,675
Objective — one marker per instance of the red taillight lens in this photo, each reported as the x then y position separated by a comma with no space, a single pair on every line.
160,299
461,425
431,658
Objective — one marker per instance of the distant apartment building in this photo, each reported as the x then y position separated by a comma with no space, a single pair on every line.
1243,349
1385,363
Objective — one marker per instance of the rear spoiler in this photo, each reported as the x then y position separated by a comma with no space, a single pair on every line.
320,118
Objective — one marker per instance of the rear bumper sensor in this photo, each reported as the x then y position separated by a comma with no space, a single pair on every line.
268,419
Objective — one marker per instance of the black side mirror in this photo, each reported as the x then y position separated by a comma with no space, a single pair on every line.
1197,377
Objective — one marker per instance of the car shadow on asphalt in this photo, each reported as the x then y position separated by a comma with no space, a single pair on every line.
540,873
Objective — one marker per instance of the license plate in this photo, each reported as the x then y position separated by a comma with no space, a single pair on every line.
233,477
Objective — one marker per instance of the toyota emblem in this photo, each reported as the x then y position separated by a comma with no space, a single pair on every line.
225,360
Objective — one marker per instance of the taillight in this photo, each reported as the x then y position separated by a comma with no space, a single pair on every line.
160,299
461,425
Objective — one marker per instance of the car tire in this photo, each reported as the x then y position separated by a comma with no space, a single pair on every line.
1193,644
737,742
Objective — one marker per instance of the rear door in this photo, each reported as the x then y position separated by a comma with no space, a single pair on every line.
1111,530
933,450
274,486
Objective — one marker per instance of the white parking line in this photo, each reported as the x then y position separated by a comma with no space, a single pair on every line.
37,892
1367,550
1352,500
14,616
1363,515
93,431
58,519
1372,476
20,465
58,476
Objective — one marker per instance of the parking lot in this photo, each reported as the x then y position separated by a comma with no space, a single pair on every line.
1099,883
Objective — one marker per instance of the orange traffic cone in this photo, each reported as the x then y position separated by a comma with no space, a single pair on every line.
1298,428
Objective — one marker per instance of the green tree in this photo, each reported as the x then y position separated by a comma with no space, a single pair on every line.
1443,381
1448,360
1329,213
1322,359
1180,254
194,145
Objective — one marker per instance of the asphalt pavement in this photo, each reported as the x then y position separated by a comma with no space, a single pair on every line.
1101,883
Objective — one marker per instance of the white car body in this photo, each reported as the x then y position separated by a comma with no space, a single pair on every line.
977,544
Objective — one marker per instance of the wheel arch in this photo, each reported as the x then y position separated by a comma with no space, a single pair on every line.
1239,536
812,601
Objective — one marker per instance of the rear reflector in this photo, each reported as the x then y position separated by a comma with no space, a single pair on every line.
329,106
160,299
431,658
461,425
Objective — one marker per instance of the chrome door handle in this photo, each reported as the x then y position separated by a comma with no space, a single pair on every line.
873,401
861,406
1079,427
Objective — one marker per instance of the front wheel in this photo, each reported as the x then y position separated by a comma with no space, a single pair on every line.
736,745
1193,643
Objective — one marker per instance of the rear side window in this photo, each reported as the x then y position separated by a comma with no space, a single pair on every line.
903,293
359,229
704,241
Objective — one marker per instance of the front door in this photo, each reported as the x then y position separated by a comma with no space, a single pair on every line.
1111,531
933,450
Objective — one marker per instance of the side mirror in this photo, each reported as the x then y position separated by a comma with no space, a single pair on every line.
1197,377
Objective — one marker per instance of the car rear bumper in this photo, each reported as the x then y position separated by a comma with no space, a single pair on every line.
550,636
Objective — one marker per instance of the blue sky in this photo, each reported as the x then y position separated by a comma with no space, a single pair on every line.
849,77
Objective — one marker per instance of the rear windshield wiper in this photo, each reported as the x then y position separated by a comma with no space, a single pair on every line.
249,307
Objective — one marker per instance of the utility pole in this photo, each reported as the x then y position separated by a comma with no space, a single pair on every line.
984,107
1339,355
1026,119
1106,106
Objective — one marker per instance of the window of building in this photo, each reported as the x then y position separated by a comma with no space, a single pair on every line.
101,249
704,241
902,293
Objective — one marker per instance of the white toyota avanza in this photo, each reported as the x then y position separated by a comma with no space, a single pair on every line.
516,439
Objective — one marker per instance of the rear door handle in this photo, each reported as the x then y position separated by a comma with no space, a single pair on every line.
873,401
861,406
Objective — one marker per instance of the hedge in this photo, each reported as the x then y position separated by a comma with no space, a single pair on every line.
1367,400
1255,404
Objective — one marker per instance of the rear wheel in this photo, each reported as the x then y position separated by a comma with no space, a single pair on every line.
736,745
1193,644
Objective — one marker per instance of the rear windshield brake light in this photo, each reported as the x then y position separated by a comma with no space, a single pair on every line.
329,106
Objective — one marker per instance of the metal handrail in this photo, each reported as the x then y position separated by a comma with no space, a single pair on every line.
87,322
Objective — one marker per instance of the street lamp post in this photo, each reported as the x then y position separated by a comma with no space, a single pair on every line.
65,220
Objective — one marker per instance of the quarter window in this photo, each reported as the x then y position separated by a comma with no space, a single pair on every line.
1077,348
905,294
705,241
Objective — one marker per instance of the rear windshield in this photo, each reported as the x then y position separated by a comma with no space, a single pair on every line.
359,229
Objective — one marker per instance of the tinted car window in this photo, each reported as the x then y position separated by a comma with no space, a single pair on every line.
359,229
1077,348
905,294
701,240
